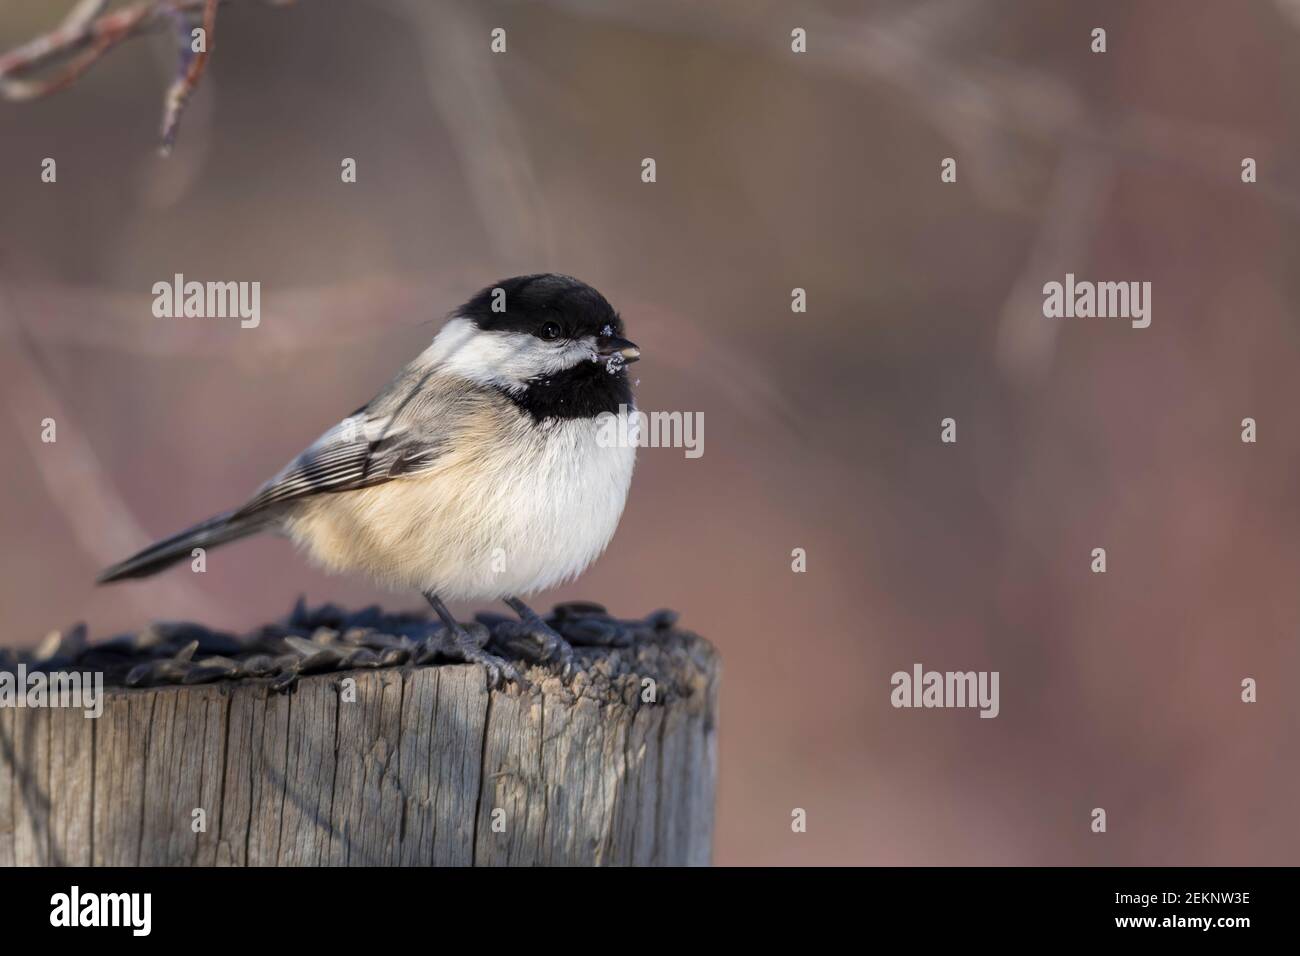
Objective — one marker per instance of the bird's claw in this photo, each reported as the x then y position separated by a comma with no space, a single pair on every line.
532,639
542,647
466,643
554,648
498,669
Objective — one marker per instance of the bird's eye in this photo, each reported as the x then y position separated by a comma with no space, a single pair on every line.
551,330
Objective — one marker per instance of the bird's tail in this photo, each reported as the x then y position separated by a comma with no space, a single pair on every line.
207,534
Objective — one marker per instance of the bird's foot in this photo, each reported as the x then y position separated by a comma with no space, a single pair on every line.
532,639
467,643
574,624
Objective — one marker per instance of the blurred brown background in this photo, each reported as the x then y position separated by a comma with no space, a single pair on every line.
775,170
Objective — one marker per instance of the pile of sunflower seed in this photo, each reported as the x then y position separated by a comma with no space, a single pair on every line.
311,641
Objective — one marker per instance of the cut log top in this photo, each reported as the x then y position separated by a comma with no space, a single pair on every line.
333,756
307,641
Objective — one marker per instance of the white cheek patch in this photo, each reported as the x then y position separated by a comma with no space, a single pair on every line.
499,358
583,350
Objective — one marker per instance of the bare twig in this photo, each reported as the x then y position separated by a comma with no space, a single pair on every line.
191,70
91,35
87,34
75,46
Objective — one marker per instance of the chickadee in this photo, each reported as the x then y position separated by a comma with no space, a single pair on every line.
477,473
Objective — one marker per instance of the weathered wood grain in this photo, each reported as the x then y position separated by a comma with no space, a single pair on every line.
424,767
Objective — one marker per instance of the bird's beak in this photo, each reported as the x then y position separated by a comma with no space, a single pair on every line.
608,346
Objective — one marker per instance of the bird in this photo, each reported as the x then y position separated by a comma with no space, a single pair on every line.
480,472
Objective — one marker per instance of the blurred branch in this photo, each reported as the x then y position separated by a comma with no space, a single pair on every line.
192,65
995,112
292,320
1067,227
912,51
72,473
467,91
87,33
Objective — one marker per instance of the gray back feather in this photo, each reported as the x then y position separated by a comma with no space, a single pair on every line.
401,432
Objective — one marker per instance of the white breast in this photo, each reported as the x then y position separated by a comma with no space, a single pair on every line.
512,509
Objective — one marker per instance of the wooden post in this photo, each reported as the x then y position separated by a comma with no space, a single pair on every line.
391,766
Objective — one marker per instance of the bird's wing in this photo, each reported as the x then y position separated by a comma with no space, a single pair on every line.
401,432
